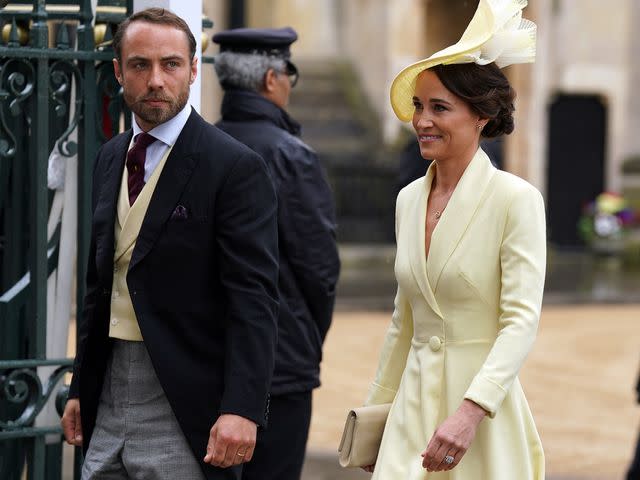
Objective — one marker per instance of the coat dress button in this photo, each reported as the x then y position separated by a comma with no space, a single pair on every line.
435,343
114,321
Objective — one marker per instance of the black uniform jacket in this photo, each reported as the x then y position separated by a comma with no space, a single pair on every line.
202,278
309,262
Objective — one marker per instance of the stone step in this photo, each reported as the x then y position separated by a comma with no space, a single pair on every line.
319,98
338,128
325,113
318,68
359,158
317,84
337,123
334,147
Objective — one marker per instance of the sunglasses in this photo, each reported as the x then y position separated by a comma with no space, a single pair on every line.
292,73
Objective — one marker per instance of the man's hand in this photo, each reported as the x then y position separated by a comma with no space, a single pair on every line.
231,441
71,423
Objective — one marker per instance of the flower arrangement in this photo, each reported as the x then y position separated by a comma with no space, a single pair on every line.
606,221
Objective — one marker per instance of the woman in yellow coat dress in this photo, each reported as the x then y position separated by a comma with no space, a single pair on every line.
470,266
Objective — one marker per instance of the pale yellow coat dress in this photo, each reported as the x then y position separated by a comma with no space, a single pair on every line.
465,319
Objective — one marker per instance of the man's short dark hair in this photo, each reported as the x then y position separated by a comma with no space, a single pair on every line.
158,16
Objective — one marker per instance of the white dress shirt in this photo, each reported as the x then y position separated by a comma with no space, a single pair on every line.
166,133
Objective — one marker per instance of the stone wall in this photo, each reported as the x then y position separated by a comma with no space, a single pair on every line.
591,56
211,91
315,21
581,49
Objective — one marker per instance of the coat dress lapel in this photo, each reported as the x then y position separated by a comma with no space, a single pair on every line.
419,263
457,215
174,177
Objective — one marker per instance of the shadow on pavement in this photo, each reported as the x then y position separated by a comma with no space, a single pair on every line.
324,466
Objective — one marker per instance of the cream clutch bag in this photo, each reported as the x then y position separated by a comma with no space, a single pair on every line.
362,435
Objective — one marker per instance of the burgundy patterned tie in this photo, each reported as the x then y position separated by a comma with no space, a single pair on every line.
135,164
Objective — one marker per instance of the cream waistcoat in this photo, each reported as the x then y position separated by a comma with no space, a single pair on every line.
123,323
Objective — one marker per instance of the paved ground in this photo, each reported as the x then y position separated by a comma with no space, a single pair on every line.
579,380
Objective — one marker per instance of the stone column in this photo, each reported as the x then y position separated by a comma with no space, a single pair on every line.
525,150
632,141
218,13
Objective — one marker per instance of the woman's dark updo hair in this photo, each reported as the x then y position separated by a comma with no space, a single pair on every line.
485,89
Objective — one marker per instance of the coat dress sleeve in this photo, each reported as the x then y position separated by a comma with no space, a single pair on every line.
523,263
393,356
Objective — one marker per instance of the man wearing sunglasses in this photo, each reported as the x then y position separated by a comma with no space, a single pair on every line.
257,75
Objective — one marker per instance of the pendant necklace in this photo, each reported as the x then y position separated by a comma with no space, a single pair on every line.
439,213
445,197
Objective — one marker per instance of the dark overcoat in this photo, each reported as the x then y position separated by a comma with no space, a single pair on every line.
203,282
309,262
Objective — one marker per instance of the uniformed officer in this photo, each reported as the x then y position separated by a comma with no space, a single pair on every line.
255,70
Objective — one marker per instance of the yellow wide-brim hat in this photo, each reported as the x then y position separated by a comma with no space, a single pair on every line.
496,33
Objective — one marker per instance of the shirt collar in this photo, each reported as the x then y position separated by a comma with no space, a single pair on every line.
168,131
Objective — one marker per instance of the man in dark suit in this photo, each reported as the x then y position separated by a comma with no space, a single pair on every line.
176,341
256,72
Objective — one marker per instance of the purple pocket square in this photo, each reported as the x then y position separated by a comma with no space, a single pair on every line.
180,213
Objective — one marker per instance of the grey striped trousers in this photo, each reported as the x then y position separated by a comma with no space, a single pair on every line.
137,435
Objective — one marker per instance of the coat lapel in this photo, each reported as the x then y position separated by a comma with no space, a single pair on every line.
105,214
174,177
122,210
458,214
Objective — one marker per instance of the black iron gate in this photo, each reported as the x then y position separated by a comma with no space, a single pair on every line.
56,89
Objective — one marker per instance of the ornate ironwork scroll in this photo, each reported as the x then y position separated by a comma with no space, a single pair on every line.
61,76
21,385
17,81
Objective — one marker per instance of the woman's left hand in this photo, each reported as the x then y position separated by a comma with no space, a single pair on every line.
453,437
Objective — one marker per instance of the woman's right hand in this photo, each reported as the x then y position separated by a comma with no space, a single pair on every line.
369,468
453,437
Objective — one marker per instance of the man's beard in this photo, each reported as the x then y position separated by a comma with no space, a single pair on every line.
155,116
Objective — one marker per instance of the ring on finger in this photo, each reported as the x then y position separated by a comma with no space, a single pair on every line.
448,460
241,454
